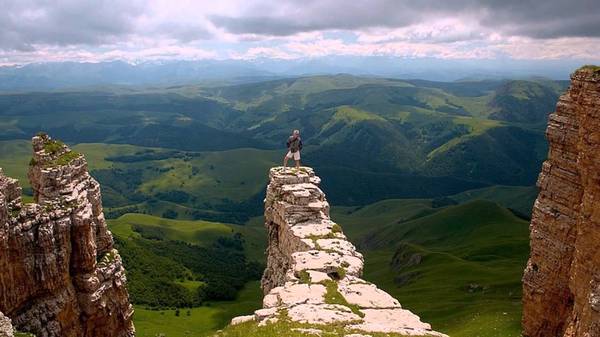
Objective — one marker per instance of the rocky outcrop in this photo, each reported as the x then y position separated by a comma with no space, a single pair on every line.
561,284
6,328
313,272
60,274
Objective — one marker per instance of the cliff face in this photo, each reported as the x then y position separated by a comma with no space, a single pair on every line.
561,284
313,272
60,275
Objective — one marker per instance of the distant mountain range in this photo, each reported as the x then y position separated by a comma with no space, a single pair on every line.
61,75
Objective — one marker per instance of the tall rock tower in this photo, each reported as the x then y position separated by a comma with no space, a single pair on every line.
313,273
561,285
60,275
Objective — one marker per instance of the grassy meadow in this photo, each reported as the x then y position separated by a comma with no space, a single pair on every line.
458,267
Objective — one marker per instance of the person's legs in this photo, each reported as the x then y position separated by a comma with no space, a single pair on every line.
286,158
297,159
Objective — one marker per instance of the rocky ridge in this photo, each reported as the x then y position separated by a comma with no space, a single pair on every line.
561,284
313,273
61,276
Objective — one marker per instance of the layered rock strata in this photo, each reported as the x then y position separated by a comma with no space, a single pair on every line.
60,274
313,272
561,284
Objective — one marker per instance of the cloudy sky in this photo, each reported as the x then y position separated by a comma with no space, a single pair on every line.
132,30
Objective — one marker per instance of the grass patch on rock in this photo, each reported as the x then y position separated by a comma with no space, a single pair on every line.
591,67
287,328
333,296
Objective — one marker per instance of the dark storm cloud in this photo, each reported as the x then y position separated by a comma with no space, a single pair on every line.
28,22
533,18
545,19
288,17
183,32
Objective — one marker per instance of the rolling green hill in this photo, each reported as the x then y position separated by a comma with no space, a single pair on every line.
525,101
458,267
175,263
477,133
518,199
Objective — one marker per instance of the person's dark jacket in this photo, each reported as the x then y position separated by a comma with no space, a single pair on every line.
294,144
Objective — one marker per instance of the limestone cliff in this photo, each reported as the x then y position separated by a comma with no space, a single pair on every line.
60,275
561,284
313,272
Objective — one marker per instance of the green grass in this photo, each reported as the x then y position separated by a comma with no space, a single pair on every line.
64,159
519,198
53,146
285,327
477,126
185,263
14,159
24,334
216,184
96,153
235,174
201,233
358,221
350,114
477,243
212,178
202,321
333,296
190,285
591,67
472,259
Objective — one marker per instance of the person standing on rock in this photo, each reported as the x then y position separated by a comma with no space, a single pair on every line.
294,145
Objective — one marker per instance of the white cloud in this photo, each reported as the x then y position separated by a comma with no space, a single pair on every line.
97,30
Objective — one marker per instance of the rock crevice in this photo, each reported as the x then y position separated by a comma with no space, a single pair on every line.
61,276
313,272
561,283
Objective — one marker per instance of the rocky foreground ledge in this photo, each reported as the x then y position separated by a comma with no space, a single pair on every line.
313,272
60,275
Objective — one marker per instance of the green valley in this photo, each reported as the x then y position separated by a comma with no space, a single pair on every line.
459,267
432,181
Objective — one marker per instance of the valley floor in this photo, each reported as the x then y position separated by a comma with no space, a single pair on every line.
196,322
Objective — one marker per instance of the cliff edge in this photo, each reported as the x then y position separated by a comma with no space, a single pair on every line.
60,274
561,284
313,273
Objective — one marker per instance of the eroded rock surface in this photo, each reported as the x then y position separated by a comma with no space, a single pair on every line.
60,274
313,272
6,328
561,284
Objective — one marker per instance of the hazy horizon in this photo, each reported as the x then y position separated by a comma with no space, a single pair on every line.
487,31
